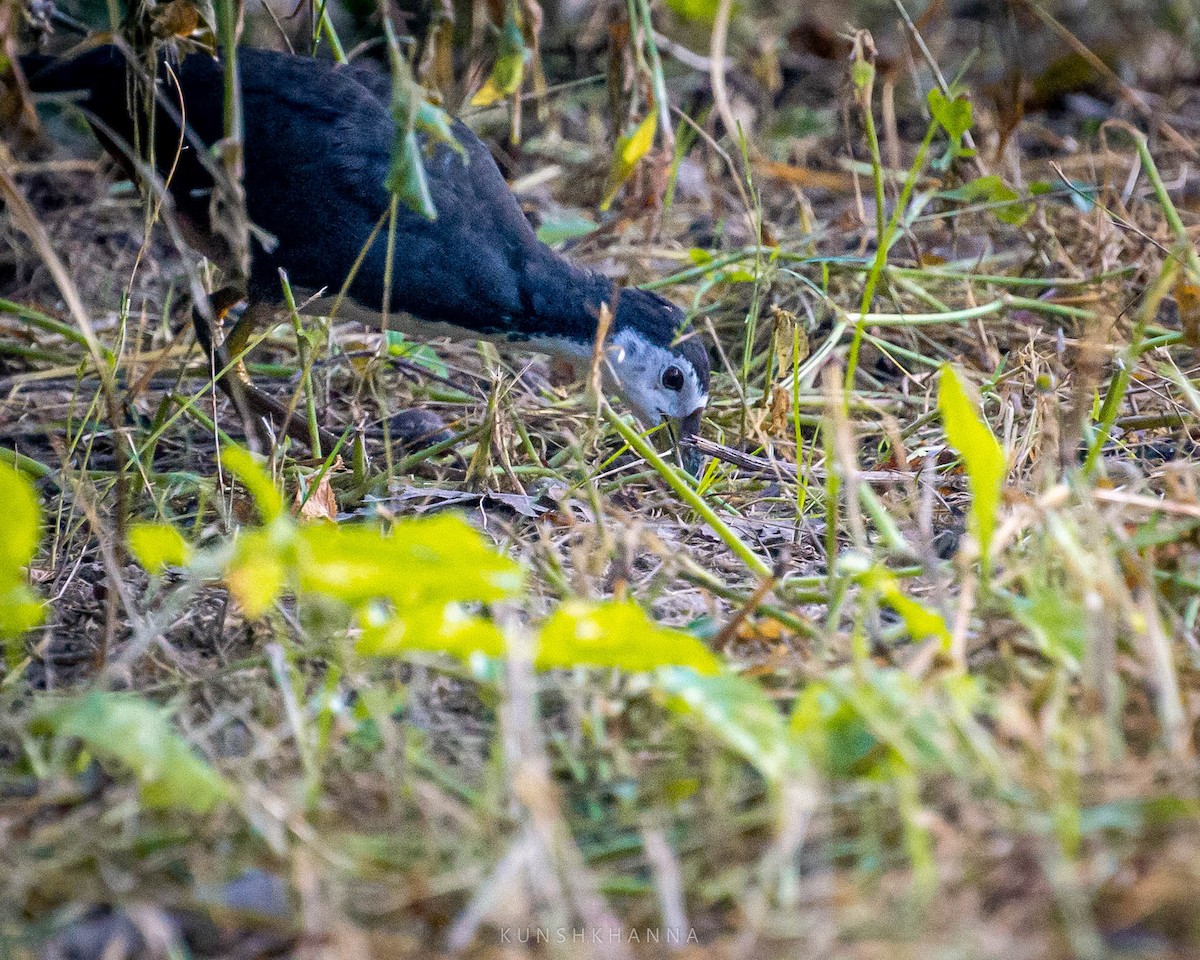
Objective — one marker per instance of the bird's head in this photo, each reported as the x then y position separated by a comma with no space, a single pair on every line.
657,365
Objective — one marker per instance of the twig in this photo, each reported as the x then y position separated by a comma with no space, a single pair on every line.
786,471
716,56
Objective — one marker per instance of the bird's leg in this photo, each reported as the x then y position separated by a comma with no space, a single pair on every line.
222,302
227,359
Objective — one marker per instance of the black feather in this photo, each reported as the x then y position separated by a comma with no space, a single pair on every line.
318,138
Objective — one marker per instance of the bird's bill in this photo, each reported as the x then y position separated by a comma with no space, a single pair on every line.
689,426
684,429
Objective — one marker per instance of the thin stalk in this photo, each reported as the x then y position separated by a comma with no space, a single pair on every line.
881,252
657,79
683,489
42,321
1120,383
1182,238
306,381
863,320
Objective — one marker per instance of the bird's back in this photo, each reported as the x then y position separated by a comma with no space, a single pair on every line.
318,139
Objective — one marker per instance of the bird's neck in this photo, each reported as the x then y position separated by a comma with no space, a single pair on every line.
564,303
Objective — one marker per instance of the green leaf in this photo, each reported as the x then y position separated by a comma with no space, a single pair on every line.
1057,619
617,634
421,562
258,572
438,628
953,116
870,722
738,713
20,609
920,620
406,175
982,455
993,190
834,733
703,11
266,497
509,69
568,226
157,546
22,517
436,127
137,735
630,150
421,354
862,74
412,113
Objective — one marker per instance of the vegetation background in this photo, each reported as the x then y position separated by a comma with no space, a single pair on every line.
911,669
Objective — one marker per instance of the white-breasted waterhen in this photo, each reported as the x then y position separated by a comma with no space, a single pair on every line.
317,147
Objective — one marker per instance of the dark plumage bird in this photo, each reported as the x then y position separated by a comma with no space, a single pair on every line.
317,148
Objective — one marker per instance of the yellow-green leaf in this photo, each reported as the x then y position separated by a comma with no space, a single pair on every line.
20,608
630,150
258,572
243,466
157,546
617,634
19,525
138,736
952,114
869,723
920,621
982,455
422,561
704,11
509,69
439,628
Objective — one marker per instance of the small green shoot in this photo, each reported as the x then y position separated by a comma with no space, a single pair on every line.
983,457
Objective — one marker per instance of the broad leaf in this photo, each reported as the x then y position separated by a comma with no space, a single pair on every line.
421,561
738,713
19,527
157,546
993,190
437,628
867,723
568,226
20,608
704,11
953,116
413,114
1058,621
920,621
138,736
617,634
258,573
241,464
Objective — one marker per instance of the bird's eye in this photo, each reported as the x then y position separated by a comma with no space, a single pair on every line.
672,379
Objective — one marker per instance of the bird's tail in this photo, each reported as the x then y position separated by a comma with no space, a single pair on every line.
32,64
83,69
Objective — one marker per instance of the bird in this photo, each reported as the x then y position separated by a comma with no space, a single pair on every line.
317,146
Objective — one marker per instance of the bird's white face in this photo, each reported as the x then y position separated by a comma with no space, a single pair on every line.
657,383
